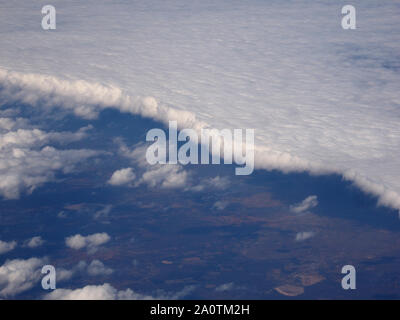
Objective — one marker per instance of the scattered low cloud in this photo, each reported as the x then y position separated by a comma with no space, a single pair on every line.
165,176
19,275
27,160
216,183
97,268
301,236
225,287
103,213
220,205
122,177
90,242
108,292
34,242
7,246
307,204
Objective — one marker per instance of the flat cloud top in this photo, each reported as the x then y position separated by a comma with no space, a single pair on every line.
320,98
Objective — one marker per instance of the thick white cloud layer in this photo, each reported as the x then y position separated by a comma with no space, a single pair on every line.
321,99
108,292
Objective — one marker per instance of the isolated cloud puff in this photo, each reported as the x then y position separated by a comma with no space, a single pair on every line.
220,205
19,275
7,246
122,177
108,292
301,236
34,242
97,268
91,242
102,213
307,204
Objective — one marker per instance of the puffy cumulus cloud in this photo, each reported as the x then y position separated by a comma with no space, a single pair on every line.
91,242
108,292
319,100
19,275
301,236
7,246
26,161
25,169
97,268
307,204
386,196
218,183
165,176
34,242
122,177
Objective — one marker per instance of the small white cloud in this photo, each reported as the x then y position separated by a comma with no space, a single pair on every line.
122,177
165,176
7,246
219,183
19,275
103,212
220,205
301,236
307,204
27,160
108,292
34,242
97,268
91,242
225,287
64,274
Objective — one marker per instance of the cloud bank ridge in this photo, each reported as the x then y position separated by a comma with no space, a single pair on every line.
86,99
